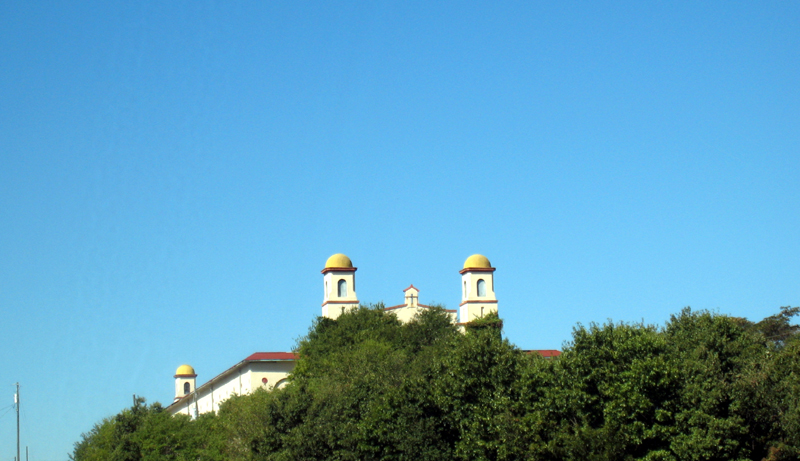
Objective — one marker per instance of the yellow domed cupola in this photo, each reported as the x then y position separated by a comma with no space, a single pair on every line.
185,370
477,261
339,279
338,260
477,289
185,381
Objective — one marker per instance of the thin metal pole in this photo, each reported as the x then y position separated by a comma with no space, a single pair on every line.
17,402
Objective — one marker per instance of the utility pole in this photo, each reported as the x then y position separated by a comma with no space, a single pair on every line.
16,402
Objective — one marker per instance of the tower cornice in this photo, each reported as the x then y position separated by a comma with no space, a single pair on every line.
338,269
476,269
479,301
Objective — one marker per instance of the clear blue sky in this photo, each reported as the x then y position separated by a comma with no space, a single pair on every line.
173,176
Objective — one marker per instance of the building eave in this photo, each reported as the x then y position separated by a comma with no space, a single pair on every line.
252,358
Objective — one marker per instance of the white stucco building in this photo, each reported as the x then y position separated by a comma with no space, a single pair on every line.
270,370
411,306
477,293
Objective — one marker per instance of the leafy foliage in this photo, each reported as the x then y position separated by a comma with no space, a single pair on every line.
777,328
366,387
147,432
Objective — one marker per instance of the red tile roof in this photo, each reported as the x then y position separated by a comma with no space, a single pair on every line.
271,356
546,353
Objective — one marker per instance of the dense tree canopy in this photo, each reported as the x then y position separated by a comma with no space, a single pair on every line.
366,387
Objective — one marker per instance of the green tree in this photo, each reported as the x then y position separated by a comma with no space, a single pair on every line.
717,357
778,328
97,444
114,438
148,433
611,395
359,391
473,382
367,387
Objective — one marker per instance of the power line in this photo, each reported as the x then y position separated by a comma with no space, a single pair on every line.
7,409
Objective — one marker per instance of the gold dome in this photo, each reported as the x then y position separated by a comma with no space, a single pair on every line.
185,370
338,260
477,261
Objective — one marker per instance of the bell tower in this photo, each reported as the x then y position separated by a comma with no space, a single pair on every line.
477,289
339,278
185,380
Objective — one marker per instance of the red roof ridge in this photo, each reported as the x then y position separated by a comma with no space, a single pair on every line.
271,356
544,352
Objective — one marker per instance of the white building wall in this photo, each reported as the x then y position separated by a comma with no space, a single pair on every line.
407,313
244,380
273,371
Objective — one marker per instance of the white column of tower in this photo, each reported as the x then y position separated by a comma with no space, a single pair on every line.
184,375
339,284
477,289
